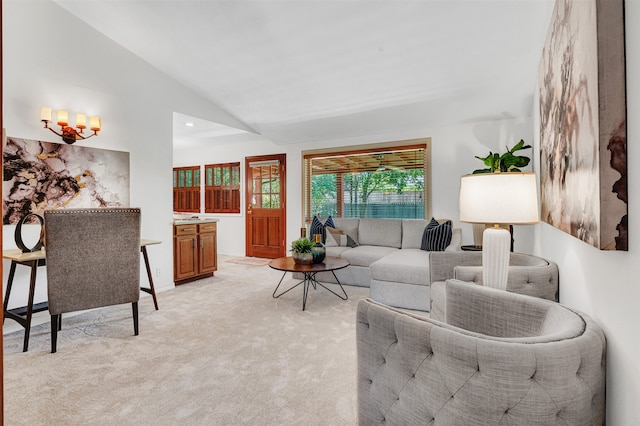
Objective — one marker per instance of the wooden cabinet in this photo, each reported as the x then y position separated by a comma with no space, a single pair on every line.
208,247
195,251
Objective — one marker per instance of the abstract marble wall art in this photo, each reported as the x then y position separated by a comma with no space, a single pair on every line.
44,175
583,138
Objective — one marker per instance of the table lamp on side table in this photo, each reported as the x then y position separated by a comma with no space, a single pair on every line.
498,199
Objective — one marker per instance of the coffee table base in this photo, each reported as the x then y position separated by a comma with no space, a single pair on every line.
309,279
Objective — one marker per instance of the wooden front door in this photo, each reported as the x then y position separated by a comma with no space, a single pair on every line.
265,201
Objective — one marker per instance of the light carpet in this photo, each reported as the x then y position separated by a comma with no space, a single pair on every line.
253,261
220,351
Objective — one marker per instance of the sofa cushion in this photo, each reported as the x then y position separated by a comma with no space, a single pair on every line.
366,255
380,232
346,222
456,240
409,266
412,230
336,251
436,236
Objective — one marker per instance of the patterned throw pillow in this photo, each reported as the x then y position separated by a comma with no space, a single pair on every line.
341,237
329,222
436,236
335,237
351,242
317,227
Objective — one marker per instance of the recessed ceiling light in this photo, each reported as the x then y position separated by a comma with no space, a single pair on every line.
189,124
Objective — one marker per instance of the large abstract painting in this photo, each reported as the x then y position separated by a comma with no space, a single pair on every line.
583,164
43,175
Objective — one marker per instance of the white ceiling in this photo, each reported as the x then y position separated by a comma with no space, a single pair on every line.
305,70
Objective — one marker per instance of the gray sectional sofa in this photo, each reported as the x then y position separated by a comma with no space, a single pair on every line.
388,259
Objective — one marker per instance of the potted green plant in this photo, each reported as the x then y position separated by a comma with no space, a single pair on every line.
507,162
301,251
496,163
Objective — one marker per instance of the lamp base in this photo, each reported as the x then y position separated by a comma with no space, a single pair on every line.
496,245
478,230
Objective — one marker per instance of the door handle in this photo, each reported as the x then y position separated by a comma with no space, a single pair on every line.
249,209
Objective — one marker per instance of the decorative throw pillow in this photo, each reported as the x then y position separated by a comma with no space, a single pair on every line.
329,222
436,236
342,237
335,237
352,236
317,227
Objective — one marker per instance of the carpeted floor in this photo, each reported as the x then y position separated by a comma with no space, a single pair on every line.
253,261
220,351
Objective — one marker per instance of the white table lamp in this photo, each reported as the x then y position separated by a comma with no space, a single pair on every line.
499,199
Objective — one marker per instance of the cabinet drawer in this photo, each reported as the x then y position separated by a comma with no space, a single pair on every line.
207,227
186,229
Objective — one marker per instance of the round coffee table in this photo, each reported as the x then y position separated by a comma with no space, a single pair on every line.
330,264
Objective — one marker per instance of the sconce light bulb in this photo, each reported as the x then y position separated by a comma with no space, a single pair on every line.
94,123
81,121
45,114
63,117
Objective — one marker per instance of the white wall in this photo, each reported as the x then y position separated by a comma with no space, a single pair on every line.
53,59
604,284
453,150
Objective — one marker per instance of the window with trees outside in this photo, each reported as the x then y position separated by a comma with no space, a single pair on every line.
222,188
379,181
186,189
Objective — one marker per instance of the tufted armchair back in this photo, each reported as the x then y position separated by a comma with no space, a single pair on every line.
500,358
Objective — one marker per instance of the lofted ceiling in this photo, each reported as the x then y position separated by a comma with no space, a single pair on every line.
310,70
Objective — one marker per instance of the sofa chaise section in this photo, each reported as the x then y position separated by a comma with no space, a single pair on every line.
402,279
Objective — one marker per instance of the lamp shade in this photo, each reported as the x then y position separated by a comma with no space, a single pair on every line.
63,117
499,198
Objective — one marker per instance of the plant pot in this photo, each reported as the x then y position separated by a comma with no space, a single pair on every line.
302,258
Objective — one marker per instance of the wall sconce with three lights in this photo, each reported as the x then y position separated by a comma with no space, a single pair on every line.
67,133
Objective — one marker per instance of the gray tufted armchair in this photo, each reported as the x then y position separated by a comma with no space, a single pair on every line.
498,358
93,260
530,275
